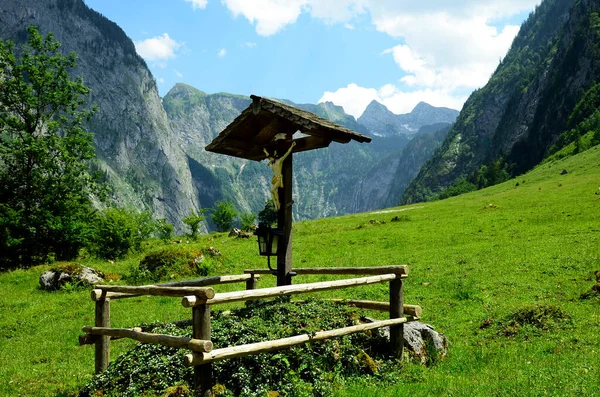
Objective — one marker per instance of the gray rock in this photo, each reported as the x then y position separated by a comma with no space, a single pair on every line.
421,340
53,280
89,276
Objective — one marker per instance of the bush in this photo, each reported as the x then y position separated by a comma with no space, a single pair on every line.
268,215
247,221
164,230
194,220
118,230
172,261
223,215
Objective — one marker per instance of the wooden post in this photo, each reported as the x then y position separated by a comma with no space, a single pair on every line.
251,282
102,344
284,222
397,311
201,330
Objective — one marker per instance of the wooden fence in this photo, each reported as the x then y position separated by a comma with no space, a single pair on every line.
197,295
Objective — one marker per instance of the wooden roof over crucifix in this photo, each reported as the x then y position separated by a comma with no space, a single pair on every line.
265,119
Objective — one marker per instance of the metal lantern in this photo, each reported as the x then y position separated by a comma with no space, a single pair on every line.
268,240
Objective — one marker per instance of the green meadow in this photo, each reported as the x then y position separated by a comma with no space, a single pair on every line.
506,273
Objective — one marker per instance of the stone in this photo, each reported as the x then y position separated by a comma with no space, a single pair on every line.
55,279
421,340
564,172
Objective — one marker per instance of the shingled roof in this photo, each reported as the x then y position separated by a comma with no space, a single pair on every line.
256,128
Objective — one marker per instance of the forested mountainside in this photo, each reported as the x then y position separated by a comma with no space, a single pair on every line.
545,85
151,150
145,167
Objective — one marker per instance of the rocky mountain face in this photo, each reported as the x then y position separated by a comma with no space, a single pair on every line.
382,122
145,167
517,117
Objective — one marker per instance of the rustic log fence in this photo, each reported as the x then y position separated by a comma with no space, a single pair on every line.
199,296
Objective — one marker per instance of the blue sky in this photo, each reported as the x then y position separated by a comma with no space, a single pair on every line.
351,52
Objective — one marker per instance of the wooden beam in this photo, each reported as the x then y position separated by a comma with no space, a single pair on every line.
399,269
411,310
89,339
237,296
200,292
197,345
273,345
310,143
98,294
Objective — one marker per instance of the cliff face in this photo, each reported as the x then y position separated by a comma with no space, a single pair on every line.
522,111
144,165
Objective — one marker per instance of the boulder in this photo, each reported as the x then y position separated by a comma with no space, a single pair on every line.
56,278
239,233
421,340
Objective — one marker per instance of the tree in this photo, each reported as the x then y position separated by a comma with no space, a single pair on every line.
193,220
223,215
45,153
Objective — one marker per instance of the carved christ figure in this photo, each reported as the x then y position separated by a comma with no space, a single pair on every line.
277,165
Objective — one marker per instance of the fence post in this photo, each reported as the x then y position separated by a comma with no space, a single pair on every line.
102,344
397,311
251,282
201,330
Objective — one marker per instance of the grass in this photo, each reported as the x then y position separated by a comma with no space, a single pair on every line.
477,262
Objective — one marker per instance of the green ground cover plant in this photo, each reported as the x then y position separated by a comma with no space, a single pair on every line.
477,262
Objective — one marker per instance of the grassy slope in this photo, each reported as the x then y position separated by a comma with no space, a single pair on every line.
537,244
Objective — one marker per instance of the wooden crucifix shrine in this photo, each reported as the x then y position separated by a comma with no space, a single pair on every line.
267,127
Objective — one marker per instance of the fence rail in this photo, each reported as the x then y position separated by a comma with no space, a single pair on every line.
199,297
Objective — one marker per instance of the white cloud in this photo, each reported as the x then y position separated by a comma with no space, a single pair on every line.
249,44
450,47
354,99
270,16
178,73
159,48
160,80
222,53
197,4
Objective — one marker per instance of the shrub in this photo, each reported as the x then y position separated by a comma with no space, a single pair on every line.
172,261
223,215
268,215
194,220
164,230
247,221
117,230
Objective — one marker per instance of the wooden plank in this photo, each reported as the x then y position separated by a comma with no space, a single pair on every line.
237,296
194,344
216,280
399,269
310,143
200,292
273,345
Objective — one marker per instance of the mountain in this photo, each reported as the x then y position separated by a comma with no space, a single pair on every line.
132,134
326,181
382,122
540,89
151,150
